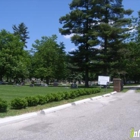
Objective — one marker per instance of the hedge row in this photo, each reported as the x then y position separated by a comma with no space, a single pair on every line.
3,105
19,103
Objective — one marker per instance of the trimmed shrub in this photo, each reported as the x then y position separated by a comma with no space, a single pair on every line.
67,95
88,92
57,96
3,105
82,92
50,97
19,103
72,94
62,94
41,100
46,98
77,93
32,101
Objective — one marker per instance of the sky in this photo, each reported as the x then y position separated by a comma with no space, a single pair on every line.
42,17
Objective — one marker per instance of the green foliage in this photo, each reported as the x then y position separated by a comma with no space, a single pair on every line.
3,105
82,92
19,103
63,95
22,32
48,60
80,23
49,97
58,97
14,59
67,95
41,99
73,94
32,101
132,52
9,52
103,23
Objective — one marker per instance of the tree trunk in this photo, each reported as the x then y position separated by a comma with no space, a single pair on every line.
86,77
47,80
0,77
105,57
86,67
7,79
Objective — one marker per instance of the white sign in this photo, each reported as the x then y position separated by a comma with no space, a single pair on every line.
103,80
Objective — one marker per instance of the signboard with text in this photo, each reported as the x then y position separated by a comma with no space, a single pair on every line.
103,80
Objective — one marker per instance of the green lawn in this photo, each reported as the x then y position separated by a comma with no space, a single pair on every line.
9,92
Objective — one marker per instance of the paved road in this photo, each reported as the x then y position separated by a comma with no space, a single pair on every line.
109,118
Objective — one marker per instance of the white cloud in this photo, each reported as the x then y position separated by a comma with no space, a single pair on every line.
72,49
68,36
133,30
71,35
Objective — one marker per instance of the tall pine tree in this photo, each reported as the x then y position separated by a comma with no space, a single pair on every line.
97,22
113,29
80,22
22,31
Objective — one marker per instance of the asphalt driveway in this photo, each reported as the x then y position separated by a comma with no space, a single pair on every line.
108,118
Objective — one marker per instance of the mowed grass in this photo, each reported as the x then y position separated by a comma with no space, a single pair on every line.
9,92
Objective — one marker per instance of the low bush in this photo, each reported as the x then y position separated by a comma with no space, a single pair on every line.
41,100
73,94
77,93
49,97
3,105
19,103
32,101
67,95
46,98
62,94
58,96
82,92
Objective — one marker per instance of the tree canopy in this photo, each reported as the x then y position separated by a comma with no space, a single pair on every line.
96,23
12,56
49,58
107,40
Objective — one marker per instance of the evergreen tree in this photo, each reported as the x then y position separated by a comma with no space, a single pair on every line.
133,71
113,29
22,31
81,23
92,23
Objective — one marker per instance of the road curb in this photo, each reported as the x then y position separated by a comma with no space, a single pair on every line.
53,109
114,92
81,101
49,110
107,95
17,118
96,98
